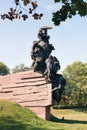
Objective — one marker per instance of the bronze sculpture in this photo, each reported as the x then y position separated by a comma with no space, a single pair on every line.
47,64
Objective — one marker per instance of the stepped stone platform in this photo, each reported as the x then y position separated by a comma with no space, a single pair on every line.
30,90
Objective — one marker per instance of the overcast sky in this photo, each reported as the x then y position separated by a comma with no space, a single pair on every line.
69,39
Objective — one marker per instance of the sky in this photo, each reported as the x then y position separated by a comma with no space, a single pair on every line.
16,37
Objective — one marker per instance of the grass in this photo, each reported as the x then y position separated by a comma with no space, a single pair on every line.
74,119
15,117
71,114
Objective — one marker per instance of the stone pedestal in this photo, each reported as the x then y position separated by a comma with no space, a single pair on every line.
30,90
43,112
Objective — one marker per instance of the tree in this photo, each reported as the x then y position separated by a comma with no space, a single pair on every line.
4,70
76,88
20,68
68,9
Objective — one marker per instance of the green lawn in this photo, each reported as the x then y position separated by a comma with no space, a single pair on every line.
15,117
74,119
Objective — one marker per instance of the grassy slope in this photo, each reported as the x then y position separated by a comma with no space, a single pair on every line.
15,117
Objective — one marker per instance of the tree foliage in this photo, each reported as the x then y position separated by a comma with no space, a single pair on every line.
17,11
4,70
69,8
20,68
76,88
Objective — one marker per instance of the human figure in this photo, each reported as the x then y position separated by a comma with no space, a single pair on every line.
41,50
52,66
47,64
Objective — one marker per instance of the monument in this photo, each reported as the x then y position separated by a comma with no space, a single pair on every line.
36,88
47,64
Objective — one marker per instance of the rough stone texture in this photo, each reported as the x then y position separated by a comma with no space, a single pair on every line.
43,112
29,89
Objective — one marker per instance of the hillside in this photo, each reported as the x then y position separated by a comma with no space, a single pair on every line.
15,117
